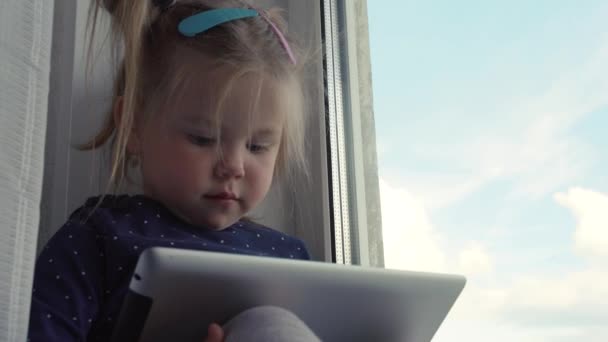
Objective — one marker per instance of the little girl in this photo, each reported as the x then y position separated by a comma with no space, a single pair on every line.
208,105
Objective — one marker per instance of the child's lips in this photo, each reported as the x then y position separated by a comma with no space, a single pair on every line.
222,196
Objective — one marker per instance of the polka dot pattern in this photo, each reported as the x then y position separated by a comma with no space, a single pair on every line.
91,262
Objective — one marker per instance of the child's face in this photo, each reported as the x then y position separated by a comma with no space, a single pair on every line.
181,166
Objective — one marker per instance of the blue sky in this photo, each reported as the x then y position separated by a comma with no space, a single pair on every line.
492,132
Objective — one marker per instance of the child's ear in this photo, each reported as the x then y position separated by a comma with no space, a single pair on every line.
133,142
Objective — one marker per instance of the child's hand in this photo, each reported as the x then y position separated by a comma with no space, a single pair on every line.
215,333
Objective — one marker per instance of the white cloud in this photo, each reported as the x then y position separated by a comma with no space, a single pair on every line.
410,242
591,211
475,259
537,307
382,147
574,299
434,190
491,330
564,304
525,307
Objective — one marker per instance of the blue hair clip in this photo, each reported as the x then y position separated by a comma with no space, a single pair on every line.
204,21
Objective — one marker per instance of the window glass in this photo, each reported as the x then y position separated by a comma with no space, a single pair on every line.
492,136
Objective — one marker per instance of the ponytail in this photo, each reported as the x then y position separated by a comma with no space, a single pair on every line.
130,21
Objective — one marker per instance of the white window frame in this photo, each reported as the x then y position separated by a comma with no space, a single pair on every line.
355,200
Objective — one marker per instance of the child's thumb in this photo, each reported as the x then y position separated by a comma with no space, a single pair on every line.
215,333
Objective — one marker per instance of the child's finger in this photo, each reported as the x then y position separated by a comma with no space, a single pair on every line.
215,333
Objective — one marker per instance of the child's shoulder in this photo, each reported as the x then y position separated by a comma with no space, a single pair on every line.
121,203
117,202
285,244
108,210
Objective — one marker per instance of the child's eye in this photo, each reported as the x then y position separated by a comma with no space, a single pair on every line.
201,141
257,148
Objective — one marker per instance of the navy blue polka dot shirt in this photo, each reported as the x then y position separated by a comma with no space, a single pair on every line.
83,273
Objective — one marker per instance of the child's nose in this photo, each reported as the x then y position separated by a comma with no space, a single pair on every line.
230,164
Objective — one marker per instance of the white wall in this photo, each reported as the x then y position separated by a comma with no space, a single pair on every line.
76,111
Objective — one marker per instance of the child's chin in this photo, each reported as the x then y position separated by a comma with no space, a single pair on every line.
212,222
215,224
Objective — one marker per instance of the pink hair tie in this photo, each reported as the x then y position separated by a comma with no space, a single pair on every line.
203,21
282,38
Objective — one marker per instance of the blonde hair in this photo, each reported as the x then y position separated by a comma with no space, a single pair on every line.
149,40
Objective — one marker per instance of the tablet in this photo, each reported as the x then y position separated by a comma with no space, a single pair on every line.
175,294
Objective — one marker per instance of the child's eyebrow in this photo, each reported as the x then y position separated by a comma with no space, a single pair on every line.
266,133
197,120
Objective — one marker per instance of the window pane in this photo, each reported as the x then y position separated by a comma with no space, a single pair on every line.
492,131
